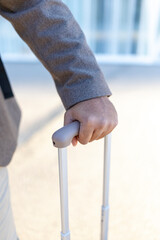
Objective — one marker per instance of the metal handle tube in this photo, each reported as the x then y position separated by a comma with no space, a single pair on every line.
105,203
63,182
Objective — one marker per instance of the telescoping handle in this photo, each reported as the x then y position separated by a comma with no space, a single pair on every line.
61,139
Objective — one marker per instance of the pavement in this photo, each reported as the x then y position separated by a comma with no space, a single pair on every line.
135,164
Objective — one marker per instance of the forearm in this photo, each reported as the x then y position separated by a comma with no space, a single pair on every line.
50,30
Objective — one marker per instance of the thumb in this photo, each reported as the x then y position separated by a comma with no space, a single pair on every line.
67,120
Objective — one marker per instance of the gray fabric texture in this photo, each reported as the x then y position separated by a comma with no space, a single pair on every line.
9,125
52,33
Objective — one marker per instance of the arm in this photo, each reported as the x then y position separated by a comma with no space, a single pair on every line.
51,32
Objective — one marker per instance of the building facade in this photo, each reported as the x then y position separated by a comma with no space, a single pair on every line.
112,27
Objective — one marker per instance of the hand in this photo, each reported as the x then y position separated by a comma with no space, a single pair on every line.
97,118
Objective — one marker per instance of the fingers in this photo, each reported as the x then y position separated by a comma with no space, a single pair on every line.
74,141
86,128
109,130
96,135
91,130
97,118
85,133
103,129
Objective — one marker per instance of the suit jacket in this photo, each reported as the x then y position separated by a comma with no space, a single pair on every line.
52,33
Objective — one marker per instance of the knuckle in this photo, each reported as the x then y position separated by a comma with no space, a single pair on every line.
102,124
82,138
83,141
96,123
90,121
112,123
108,126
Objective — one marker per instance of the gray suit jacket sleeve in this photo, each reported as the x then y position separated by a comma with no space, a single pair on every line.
52,33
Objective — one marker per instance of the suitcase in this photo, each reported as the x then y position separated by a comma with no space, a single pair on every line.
61,139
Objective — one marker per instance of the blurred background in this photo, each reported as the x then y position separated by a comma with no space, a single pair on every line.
117,27
125,37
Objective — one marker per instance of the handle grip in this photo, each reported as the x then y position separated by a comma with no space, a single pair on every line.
63,137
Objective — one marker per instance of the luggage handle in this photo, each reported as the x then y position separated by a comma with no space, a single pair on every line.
61,139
